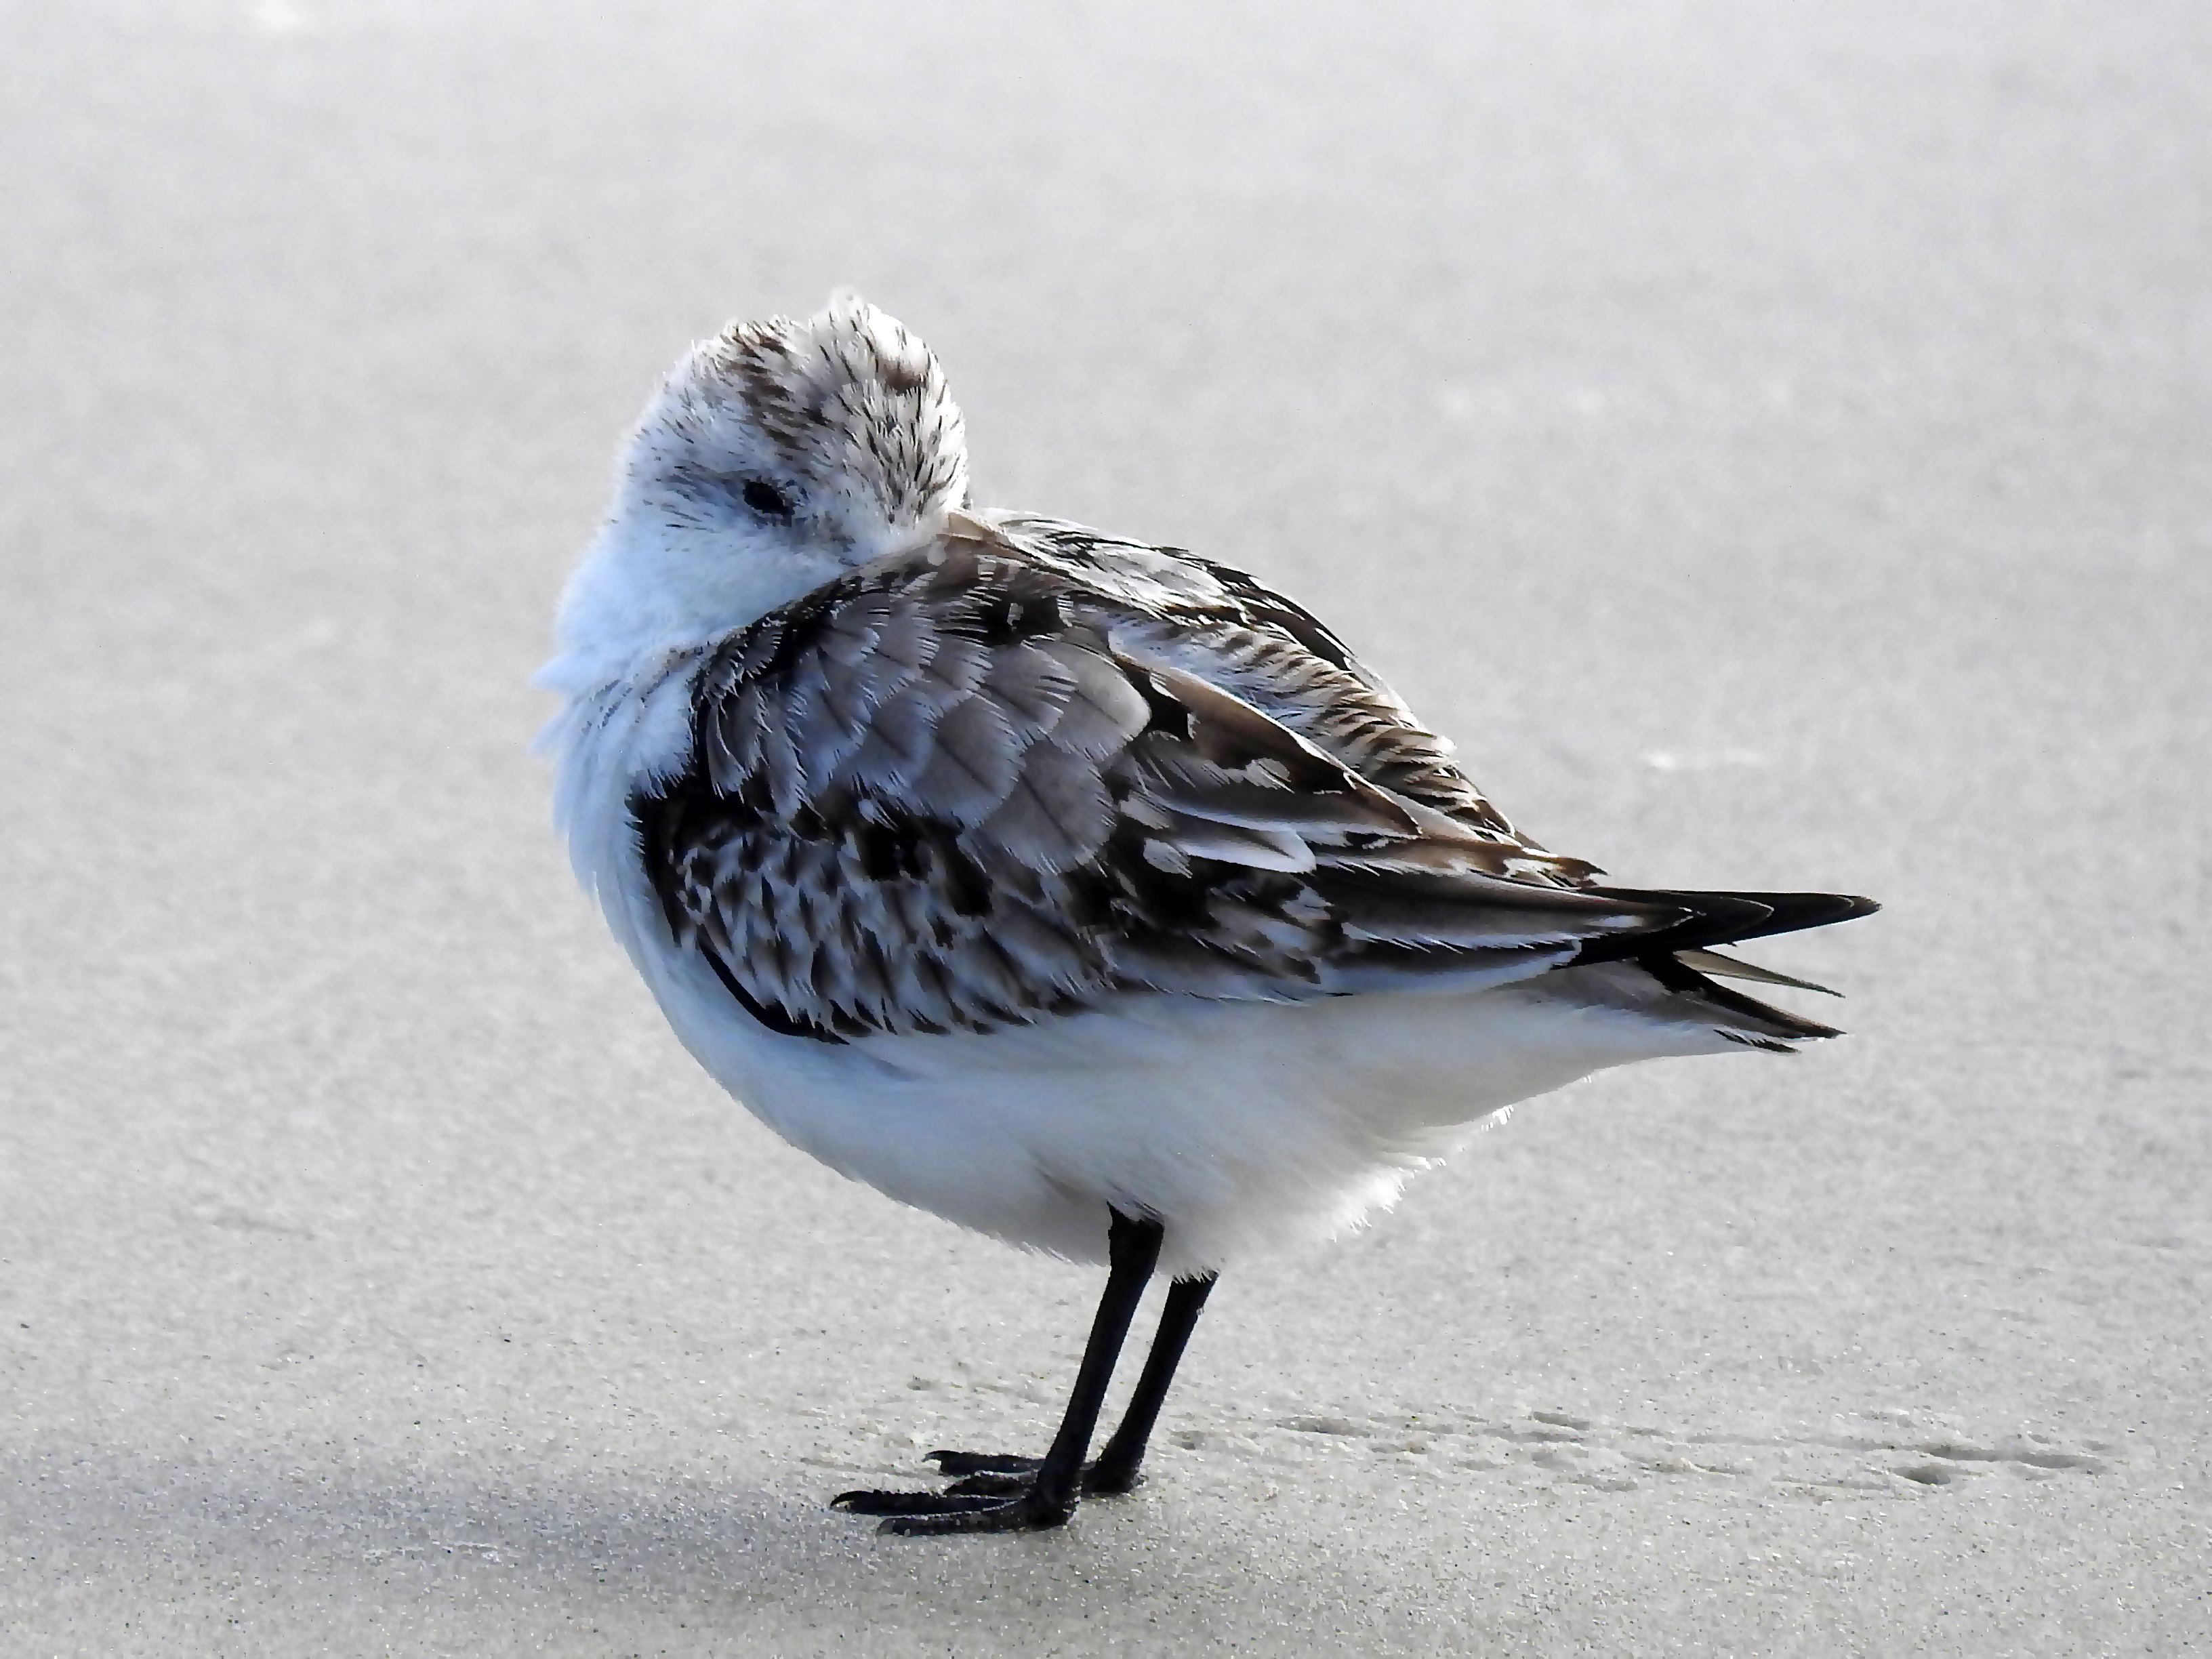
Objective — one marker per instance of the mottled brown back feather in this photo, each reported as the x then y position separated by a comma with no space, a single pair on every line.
1013,775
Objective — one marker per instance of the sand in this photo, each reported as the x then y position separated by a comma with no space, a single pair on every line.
1778,444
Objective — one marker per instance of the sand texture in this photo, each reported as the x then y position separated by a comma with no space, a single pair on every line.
1775,440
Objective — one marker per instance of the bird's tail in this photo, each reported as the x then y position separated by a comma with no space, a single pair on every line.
1681,956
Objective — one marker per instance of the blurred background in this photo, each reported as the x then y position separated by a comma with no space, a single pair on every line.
1776,442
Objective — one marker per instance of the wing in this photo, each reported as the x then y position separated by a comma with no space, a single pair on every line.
982,785
1275,653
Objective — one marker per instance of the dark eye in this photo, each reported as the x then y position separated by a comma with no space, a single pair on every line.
765,499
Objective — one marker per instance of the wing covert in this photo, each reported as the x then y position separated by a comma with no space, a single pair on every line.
967,787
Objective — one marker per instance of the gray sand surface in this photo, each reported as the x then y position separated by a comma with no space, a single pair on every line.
1776,441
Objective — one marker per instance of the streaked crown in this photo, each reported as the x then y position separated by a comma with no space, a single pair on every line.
840,425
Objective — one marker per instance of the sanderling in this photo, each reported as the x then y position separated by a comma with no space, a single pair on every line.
1086,893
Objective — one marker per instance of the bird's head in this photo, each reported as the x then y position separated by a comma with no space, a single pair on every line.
775,457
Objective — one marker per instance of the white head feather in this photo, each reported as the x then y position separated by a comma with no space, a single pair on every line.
772,458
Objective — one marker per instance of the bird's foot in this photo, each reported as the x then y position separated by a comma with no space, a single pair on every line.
997,1494
991,1473
991,1493
921,1514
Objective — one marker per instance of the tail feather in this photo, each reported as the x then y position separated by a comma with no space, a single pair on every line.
1720,967
1678,954
1744,1018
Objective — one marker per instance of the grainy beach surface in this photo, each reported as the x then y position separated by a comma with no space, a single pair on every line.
1776,442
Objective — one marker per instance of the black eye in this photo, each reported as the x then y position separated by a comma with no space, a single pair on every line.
765,499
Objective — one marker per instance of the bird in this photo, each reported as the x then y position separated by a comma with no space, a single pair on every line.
1087,893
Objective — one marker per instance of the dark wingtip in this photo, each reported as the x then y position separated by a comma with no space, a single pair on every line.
1793,913
1797,912
1817,909
1703,920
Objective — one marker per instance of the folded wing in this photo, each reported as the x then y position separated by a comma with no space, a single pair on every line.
1009,779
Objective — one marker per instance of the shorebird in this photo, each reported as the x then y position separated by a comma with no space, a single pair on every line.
1086,893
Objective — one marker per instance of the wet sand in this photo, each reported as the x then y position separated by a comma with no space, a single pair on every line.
1779,449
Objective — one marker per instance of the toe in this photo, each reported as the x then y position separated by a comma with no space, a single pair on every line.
1022,1514
967,1462
913,1502
993,1485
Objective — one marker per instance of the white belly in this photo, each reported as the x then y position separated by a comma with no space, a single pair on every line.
1236,1124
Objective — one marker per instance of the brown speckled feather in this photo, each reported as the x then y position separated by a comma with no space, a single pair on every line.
1022,771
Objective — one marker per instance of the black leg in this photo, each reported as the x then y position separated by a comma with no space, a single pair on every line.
1050,1496
1115,1469
1119,1460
